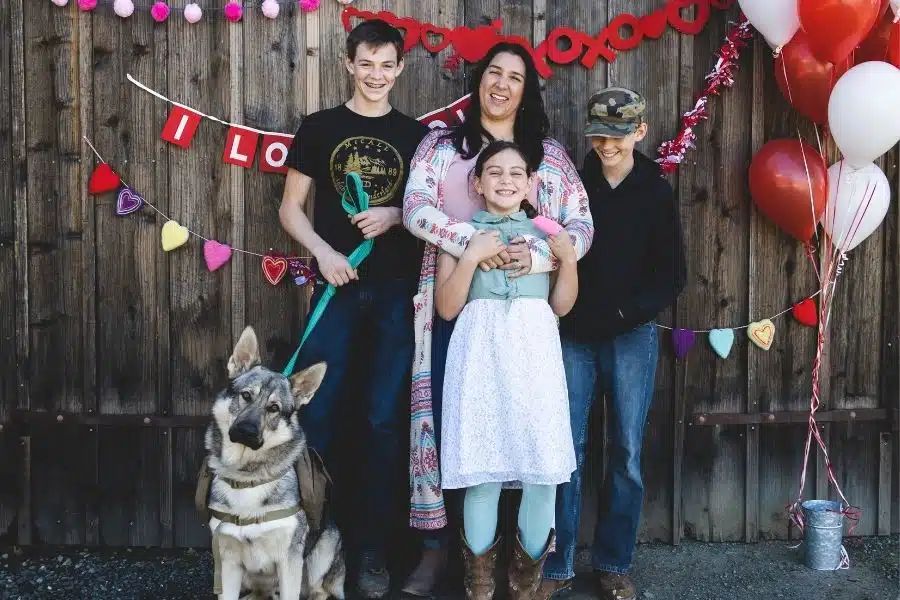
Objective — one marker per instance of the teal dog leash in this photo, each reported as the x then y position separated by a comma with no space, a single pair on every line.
354,201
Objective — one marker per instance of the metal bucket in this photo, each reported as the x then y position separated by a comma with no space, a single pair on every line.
824,530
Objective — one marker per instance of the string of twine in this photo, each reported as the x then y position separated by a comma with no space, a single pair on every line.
190,231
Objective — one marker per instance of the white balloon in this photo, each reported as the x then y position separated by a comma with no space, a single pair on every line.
776,20
864,111
858,201
895,6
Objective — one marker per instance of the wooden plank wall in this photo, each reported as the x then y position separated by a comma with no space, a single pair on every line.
99,320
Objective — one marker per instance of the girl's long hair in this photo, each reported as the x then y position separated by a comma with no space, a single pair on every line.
532,123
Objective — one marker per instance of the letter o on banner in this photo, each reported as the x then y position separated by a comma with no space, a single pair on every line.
564,57
615,36
673,11
274,153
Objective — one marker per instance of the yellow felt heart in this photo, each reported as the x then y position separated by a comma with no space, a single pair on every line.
173,235
762,333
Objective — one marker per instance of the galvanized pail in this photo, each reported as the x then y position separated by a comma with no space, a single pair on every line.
824,529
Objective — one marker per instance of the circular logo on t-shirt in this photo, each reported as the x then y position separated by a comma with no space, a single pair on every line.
378,163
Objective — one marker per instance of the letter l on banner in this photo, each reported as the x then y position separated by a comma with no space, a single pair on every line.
240,147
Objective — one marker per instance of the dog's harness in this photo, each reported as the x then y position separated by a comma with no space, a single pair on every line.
313,481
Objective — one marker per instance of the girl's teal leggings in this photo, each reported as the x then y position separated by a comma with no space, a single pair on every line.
536,512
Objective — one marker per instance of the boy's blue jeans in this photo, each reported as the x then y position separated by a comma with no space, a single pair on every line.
627,365
385,310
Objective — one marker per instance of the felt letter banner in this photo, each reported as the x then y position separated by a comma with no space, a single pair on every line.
274,153
448,116
240,147
181,126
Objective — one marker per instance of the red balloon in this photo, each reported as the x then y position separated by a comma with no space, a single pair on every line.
893,55
804,80
780,187
875,46
836,27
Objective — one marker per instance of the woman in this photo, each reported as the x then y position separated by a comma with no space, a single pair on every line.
440,199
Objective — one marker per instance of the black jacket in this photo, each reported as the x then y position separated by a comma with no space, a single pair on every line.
636,267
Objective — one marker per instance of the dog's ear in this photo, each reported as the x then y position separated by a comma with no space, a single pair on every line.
305,383
245,354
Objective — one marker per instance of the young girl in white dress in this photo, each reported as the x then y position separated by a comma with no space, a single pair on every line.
505,419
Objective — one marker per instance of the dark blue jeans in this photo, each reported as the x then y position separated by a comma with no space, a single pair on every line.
626,365
384,311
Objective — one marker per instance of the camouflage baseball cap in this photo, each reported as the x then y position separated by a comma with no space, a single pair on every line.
614,112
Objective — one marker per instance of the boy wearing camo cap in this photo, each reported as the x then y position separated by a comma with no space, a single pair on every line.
634,270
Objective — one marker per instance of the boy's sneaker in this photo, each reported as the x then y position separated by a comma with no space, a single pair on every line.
614,586
374,580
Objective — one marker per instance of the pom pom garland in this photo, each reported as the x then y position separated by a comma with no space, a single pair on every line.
270,8
160,12
192,12
309,5
123,8
87,5
233,11
60,2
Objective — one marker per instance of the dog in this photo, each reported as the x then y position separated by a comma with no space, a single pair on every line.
265,541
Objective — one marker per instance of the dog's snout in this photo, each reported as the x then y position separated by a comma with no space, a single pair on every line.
247,433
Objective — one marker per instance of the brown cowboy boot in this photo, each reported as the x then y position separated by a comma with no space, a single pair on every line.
422,581
479,579
551,587
525,572
614,586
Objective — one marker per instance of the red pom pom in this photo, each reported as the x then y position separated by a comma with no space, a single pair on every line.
233,12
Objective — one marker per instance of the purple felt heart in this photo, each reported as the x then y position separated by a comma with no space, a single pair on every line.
683,340
128,201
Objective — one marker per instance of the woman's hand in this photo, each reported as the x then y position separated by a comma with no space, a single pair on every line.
484,245
519,258
562,247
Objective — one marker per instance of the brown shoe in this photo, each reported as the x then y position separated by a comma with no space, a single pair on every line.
479,580
422,581
551,587
615,586
525,572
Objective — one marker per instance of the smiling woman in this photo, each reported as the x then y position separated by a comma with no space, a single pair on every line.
439,203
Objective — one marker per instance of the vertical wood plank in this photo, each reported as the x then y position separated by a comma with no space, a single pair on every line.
652,69
885,482
274,95
781,276
200,302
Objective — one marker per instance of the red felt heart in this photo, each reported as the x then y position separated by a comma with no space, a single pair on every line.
274,268
806,313
473,44
435,39
103,179
654,24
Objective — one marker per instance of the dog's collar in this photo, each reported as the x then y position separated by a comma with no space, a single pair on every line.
272,515
238,484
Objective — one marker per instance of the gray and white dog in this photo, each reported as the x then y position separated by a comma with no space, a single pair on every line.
263,541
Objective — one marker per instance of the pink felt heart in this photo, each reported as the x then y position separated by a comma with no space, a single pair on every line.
216,254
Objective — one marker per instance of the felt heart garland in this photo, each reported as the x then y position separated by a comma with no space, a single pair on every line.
762,333
274,268
805,313
683,340
216,254
173,235
128,201
103,179
721,341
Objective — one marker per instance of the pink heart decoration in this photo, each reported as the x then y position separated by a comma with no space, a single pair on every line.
216,254
128,201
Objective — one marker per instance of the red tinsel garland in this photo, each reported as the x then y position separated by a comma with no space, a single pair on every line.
672,152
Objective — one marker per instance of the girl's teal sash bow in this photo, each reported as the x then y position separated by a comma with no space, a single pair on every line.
354,201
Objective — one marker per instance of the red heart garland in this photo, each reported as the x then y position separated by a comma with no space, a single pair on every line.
274,268
805,313
103,179
654,24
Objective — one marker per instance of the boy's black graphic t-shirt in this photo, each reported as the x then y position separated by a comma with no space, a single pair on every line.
333,142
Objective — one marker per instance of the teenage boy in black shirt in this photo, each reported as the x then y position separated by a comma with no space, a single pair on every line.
633,271
368,136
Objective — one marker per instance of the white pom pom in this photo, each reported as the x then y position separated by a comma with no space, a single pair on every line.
192,12
123,8
270,8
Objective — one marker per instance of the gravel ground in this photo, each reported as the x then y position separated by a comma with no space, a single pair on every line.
692,571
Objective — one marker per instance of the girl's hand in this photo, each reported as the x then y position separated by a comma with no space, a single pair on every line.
484,245
562,247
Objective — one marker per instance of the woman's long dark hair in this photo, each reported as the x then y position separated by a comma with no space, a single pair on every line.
532,123
496,147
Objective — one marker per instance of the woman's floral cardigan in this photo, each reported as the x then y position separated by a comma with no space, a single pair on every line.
561,196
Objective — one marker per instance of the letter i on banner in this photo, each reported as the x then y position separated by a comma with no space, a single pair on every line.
240,147
274,153
181,126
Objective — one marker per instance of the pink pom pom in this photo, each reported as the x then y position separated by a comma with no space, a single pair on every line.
87,4
309,5
160,12
60,2
123,8
192,12
270,8
233,12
